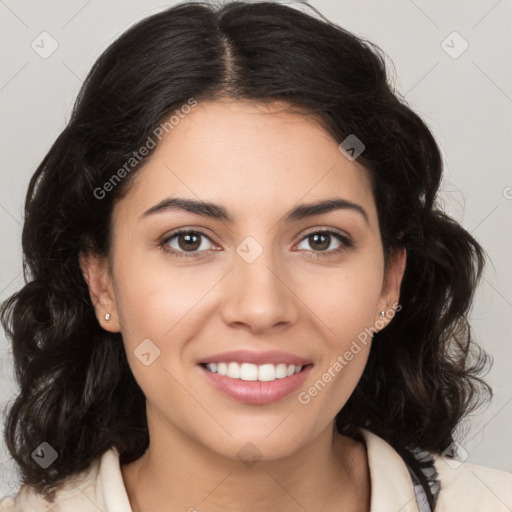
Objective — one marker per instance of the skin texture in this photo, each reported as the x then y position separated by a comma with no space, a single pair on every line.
258,162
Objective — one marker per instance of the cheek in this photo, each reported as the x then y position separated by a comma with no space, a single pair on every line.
345,310
156,309
152,297
346,300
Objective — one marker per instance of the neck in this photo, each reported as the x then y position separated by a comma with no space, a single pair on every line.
178,473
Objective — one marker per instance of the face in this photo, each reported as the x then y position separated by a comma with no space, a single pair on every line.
266,276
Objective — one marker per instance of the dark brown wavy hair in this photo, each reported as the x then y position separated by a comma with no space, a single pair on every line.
76,390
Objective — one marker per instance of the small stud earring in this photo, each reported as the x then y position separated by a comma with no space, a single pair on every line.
107,317
382,313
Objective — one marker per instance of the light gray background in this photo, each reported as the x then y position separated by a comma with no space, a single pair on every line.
467,102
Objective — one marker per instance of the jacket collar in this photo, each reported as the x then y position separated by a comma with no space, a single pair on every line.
391,484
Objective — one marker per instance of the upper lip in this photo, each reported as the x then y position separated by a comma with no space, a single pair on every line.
258,358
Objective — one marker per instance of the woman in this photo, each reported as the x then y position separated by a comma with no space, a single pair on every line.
242,293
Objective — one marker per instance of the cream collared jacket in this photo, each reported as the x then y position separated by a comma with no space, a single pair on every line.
466,488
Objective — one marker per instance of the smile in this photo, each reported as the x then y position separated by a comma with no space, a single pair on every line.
269,386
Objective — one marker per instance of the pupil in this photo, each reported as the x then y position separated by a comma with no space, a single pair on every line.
188,238
323,245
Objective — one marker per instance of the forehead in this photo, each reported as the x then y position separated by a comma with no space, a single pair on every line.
252,156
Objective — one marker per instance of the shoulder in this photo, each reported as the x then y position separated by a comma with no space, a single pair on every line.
472,487
82,491
464,487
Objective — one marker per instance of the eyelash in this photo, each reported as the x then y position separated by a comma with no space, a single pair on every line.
346,243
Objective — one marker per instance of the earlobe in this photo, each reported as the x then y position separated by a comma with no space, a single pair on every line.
99,281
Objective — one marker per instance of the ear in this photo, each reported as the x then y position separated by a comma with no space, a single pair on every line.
390,294
99,280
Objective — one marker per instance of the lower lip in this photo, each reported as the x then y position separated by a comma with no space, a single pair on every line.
255,391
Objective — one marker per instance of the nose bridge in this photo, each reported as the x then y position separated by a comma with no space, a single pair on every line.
257,265
257,293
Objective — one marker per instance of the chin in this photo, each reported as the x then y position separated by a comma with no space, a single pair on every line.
256,444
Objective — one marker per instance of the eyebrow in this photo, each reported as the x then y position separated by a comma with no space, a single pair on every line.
215,211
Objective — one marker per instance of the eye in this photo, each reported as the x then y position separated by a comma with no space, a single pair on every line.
188,243
321,240
185,241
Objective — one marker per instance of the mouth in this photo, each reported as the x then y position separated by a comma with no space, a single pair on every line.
255,384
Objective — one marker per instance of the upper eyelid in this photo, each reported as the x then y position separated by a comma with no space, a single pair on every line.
326,228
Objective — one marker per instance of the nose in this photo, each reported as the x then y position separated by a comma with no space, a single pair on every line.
260,295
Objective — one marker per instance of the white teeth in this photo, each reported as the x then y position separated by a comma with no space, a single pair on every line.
280,370
233,371
267,372
248,371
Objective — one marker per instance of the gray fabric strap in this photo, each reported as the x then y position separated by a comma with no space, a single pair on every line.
426,465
